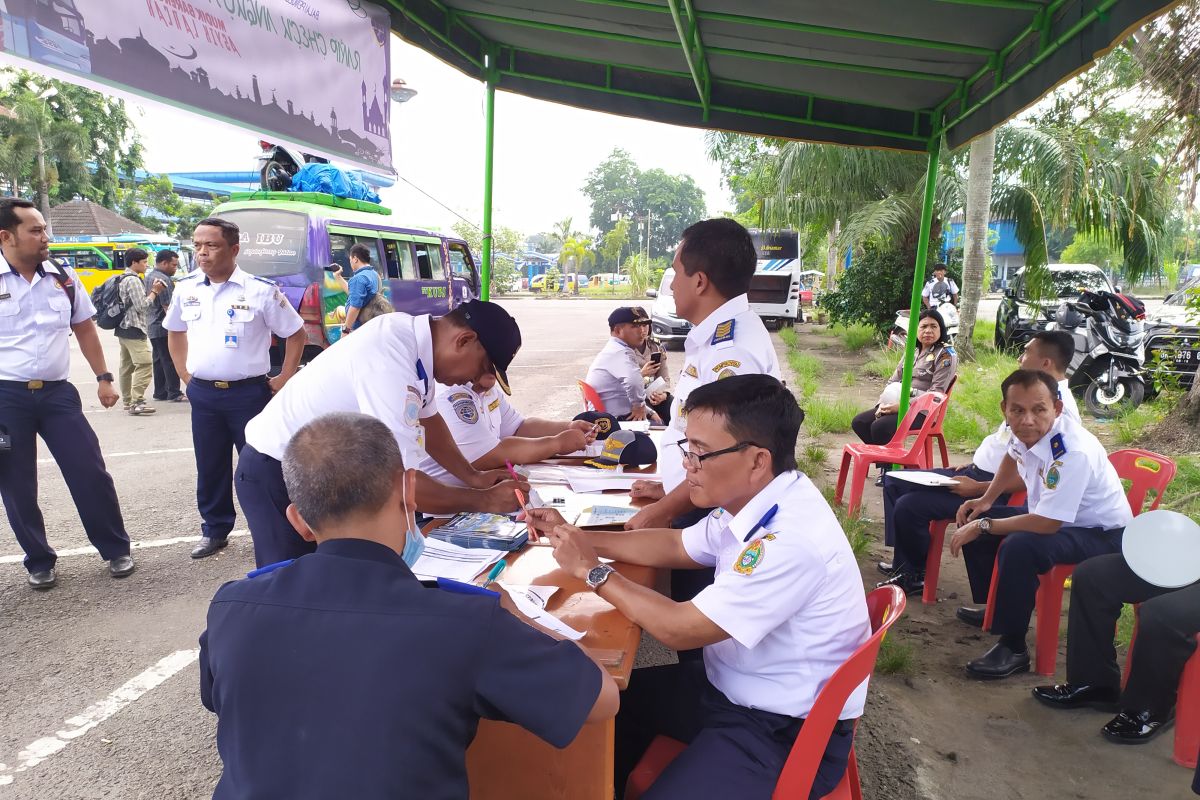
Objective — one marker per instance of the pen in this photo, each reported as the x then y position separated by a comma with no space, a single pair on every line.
525,507
511,471
495,573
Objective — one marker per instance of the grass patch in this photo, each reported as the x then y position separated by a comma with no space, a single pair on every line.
849,378
827,416
1125,626
856,336
1129,427
807,370
856,528
1183,495
896,657
811,460
882,363
788,336
985,334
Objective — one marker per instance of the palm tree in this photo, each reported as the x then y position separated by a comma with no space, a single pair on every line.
49,145
577,253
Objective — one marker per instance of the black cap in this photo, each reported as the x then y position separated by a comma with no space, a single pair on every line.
627,314
625,447
605,423
498,333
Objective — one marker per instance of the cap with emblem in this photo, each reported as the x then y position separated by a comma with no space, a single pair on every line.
498,333
605,423
627,314
625,447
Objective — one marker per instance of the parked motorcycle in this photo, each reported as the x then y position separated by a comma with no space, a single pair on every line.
899,334
1108,362
277,164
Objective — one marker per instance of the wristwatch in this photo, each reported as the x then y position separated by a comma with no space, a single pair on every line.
985,525
597,575
104,376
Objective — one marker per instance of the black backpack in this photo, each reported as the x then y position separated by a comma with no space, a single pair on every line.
110,309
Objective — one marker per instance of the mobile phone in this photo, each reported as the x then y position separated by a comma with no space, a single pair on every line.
656,358
332,268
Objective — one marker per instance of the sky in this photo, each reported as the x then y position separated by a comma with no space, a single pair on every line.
544,151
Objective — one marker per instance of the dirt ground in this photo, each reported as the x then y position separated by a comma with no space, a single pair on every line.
936,733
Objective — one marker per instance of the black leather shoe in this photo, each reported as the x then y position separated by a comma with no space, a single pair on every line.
207,546
879,480
886,567
44,579
999,662
971,616
911,584
121,566
1136,727
1071,695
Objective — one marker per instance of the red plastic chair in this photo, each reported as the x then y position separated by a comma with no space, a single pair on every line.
937,541
860,457
884,605
1187,704
1145,471
591,398
936,434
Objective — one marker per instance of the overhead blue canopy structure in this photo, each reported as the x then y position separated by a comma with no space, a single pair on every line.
898,74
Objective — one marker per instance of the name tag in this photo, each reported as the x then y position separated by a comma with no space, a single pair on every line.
191,301
5,296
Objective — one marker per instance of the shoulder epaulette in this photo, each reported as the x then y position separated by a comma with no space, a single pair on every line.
724,332
267,281
1058,447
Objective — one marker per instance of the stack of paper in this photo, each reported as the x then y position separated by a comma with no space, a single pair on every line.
923,478
531,601
445,560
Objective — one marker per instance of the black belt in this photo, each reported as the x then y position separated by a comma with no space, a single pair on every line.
844,726
231,384
31,385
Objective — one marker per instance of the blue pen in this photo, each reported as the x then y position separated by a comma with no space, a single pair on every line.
448,585
495,573
254,573
767,517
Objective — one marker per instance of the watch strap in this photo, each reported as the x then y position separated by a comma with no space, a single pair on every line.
104,376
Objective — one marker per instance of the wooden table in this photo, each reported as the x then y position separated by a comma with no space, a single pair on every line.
505,762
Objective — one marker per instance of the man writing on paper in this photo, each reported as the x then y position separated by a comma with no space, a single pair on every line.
908,508
340,675
490,432
785,611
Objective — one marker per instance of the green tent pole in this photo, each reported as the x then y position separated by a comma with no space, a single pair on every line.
489,125
914,311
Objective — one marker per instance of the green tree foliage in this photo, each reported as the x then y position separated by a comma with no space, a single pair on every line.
154,203
617,186
877,284
1086,248
507,246
615,243
576,256
100,125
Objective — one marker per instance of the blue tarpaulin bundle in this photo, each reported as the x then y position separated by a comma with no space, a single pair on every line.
329,179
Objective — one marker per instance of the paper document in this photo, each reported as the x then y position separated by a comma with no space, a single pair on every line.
605,516
445,560
602,480
642,425
656,385
531,601
922,478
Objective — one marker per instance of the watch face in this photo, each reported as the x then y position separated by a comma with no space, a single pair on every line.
597,575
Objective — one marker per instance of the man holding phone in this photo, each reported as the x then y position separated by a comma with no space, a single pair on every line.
615,373
652,361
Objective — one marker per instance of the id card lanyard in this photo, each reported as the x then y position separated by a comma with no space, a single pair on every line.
231,337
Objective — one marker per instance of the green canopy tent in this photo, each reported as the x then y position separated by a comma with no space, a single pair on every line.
897,74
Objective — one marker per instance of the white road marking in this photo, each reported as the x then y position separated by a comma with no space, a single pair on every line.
91,551
130,453
39,750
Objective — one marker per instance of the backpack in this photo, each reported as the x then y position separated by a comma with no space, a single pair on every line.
110,309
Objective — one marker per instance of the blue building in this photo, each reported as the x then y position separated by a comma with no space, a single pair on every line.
1008,255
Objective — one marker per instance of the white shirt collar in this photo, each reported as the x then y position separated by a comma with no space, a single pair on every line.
236,277
752,513
708,326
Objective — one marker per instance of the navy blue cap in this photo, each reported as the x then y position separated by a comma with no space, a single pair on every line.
498,333
627,314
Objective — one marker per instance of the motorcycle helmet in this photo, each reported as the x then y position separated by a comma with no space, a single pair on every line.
1068,317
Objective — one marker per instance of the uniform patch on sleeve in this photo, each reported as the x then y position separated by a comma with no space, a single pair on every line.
690,371
1058,448
945,360
725,366
1053,475
724,332
464,408
725,373
492,406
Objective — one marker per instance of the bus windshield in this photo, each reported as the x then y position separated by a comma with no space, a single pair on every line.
273,242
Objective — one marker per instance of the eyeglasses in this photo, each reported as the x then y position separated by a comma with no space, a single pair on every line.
696,460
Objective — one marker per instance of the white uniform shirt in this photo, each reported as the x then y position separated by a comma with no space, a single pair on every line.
991,450
791,599
477,422
616,376
730,341
385,369
1069,478
946,288
229,325
35,321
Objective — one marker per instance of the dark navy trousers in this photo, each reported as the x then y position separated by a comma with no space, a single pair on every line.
56,414
1022,559
219,418
909,508
264,499
733,751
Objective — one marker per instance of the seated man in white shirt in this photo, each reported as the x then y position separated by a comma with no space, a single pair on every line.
786,608
908,508
615,373
1076,509
490,432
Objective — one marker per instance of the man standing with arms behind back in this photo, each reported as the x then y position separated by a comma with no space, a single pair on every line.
219,333
41,304
166,379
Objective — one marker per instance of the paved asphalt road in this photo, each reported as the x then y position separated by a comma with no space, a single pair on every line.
98,678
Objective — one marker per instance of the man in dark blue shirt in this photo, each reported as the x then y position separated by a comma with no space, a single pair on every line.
341,675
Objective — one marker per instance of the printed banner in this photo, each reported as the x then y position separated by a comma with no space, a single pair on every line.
311,73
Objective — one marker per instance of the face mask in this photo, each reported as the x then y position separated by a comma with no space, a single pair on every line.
414,541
